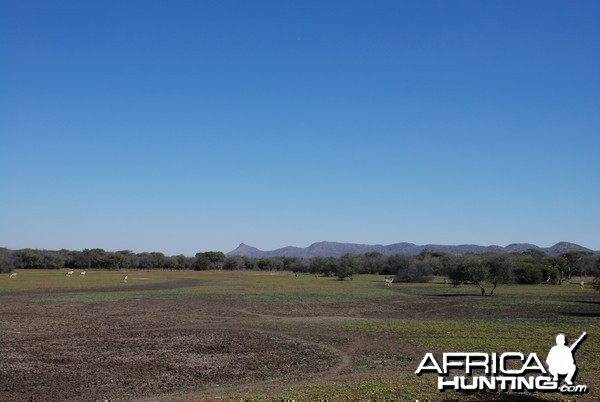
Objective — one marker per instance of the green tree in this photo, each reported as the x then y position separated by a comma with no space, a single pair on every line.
528,270
346,266
144,260
265,264
182,262
216,259
299,265
6,260
289,263
29,259
578,263
249,263
372,263
115,261
433,259
557,264
397,264
234,263
467,268
201,263
95,258
499,269
597,273
209,260
316,265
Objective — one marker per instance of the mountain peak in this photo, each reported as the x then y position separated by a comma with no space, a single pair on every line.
334,249
564,246
245,250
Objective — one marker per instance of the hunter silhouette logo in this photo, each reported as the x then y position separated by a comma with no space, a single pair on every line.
509,371
560,359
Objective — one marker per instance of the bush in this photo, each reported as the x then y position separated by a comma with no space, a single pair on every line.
550,272
6,260
528,274
417,271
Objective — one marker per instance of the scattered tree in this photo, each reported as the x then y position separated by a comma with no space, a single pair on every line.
467,268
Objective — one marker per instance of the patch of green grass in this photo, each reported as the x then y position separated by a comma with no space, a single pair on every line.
96,297
34,280
467,336
527,333
304,290
502,290
257,288
480,336
400,386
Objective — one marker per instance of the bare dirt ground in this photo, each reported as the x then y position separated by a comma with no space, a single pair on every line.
200,347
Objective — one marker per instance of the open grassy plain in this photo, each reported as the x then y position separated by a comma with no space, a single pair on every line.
184,336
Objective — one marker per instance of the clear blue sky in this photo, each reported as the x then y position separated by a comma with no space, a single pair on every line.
184,126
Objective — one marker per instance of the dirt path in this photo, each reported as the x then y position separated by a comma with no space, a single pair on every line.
345,359
344,362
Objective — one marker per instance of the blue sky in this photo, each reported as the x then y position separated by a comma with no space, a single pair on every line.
184,126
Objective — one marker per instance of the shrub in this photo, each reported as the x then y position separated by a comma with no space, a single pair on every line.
528,274
551,272
417,271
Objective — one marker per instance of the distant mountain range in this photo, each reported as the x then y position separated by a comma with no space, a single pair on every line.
332,249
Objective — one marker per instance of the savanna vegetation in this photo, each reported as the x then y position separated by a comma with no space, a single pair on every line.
483,270
260,335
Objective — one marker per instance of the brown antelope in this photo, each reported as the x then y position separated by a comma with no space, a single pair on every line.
13,275
388,281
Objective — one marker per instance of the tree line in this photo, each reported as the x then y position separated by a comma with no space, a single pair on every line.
101,259
530,267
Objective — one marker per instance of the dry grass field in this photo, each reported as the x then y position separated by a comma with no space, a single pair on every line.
186,336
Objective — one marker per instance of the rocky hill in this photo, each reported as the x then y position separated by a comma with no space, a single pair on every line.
332,249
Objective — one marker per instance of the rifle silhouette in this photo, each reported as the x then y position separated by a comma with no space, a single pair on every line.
574,345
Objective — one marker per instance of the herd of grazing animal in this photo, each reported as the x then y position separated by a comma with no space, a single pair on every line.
70,273
82,274
13,275
388,280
